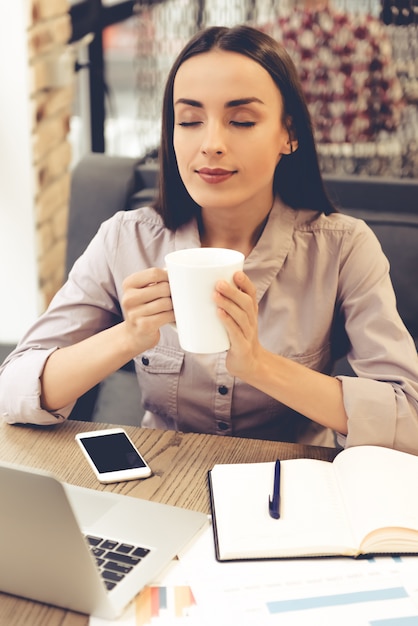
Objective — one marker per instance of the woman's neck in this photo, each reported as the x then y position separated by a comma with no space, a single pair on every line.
235,234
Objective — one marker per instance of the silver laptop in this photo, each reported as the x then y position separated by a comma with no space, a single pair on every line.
81,549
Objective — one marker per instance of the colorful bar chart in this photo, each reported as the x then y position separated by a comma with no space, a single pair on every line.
163,602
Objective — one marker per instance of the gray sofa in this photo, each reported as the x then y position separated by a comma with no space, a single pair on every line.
101,185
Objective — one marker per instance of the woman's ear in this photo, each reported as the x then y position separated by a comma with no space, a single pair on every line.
291,146
292,142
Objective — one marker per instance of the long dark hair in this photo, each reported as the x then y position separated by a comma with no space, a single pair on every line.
297,178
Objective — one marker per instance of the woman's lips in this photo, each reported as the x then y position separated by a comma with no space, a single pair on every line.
215,176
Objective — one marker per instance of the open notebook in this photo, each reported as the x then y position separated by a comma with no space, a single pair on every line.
362,503
81,549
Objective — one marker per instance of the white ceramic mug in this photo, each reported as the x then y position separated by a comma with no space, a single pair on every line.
193,274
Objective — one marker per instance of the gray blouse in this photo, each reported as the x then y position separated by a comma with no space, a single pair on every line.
315,275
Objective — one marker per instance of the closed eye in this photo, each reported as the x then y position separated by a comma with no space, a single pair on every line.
242,124
232,122
187,124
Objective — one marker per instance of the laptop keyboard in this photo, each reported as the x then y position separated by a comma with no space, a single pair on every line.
114,559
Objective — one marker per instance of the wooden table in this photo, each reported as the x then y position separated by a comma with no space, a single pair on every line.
179,462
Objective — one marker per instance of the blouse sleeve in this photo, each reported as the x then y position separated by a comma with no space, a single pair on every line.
85,305
381,401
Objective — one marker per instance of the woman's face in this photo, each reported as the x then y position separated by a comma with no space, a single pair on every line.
228,133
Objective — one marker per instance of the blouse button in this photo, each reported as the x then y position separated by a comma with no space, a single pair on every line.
145,360
223,390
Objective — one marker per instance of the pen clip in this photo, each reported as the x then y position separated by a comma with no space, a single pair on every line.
274,502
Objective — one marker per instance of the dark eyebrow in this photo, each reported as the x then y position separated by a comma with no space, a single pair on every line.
192,103
242,101
229,105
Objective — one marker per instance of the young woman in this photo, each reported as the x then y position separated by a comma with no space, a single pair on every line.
238,170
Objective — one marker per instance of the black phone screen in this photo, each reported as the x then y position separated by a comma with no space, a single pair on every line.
112,453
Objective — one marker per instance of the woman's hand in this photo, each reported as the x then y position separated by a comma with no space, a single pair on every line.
310,393
146,304
72,370
238,310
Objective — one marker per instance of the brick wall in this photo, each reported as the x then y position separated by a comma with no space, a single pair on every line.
51,78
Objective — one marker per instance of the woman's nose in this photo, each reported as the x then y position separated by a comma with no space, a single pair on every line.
213,141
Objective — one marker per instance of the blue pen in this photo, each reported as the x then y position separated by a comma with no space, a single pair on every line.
274,502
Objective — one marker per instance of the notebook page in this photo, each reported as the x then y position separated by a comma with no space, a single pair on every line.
310,521
378,485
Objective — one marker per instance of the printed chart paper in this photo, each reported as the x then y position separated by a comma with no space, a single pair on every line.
367,592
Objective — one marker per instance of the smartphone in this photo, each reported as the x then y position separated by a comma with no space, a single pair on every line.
112,455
